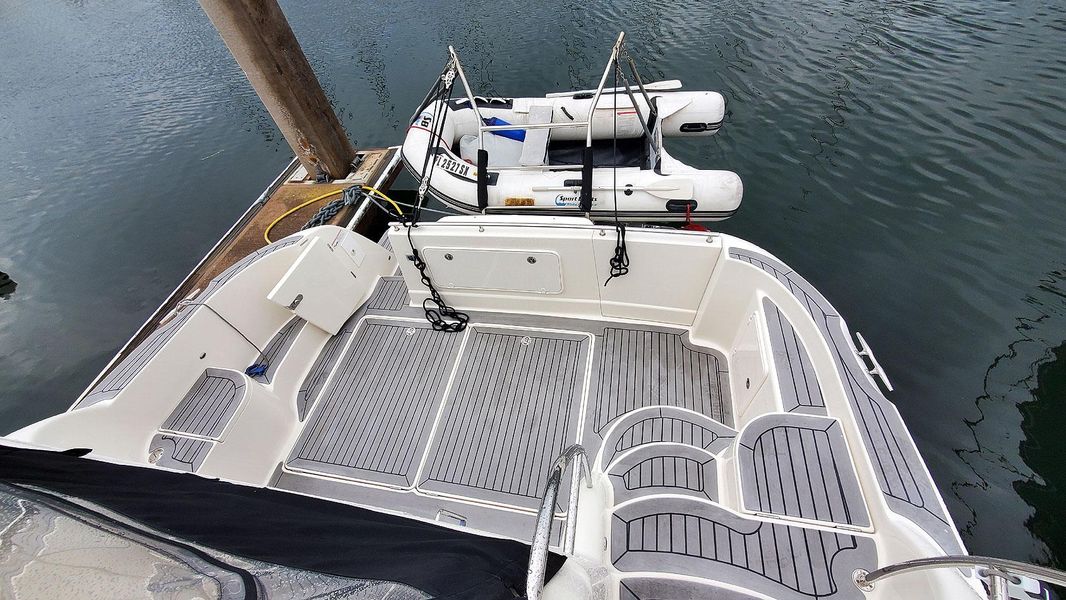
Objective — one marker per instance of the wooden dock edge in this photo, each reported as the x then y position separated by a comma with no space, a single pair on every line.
379,169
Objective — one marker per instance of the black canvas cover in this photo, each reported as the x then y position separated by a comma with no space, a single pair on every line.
284,528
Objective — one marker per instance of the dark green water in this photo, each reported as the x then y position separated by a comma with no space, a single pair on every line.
907,158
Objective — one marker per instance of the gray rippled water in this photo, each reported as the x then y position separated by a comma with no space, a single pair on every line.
907,158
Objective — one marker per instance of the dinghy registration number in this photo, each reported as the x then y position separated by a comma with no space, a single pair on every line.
453,166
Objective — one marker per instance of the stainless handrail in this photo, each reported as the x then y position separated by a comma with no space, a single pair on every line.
998,570
538,552
482,127
603,81
514,126
469,93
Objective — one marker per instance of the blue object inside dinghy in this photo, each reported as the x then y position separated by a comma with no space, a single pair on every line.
519,135
281,528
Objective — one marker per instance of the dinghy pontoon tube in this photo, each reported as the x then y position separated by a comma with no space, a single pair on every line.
535,150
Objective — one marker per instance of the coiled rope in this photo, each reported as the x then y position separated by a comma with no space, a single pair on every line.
441,316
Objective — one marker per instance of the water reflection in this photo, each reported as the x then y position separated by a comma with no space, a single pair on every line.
375,70
1043,449
1017,434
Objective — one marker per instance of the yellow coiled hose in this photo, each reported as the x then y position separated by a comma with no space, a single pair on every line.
372,190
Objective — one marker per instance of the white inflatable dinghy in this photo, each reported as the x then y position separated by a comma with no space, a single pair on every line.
538,155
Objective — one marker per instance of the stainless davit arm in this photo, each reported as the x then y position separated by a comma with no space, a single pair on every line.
538,552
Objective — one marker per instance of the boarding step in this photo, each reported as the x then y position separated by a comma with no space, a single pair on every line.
663,424
664,468
323,366
390,295
386,243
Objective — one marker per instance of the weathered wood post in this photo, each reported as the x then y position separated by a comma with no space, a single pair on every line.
258,35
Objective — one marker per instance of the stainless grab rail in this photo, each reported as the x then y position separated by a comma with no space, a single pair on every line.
482,127
603,81
538,552
469,95
998,570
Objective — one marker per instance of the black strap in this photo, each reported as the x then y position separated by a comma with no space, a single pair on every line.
482,178
586,180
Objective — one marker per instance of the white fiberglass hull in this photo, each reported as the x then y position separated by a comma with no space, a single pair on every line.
709,354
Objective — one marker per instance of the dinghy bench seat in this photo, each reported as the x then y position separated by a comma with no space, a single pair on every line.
535,146
504,151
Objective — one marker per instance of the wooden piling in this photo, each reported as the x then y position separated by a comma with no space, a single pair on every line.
258,35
